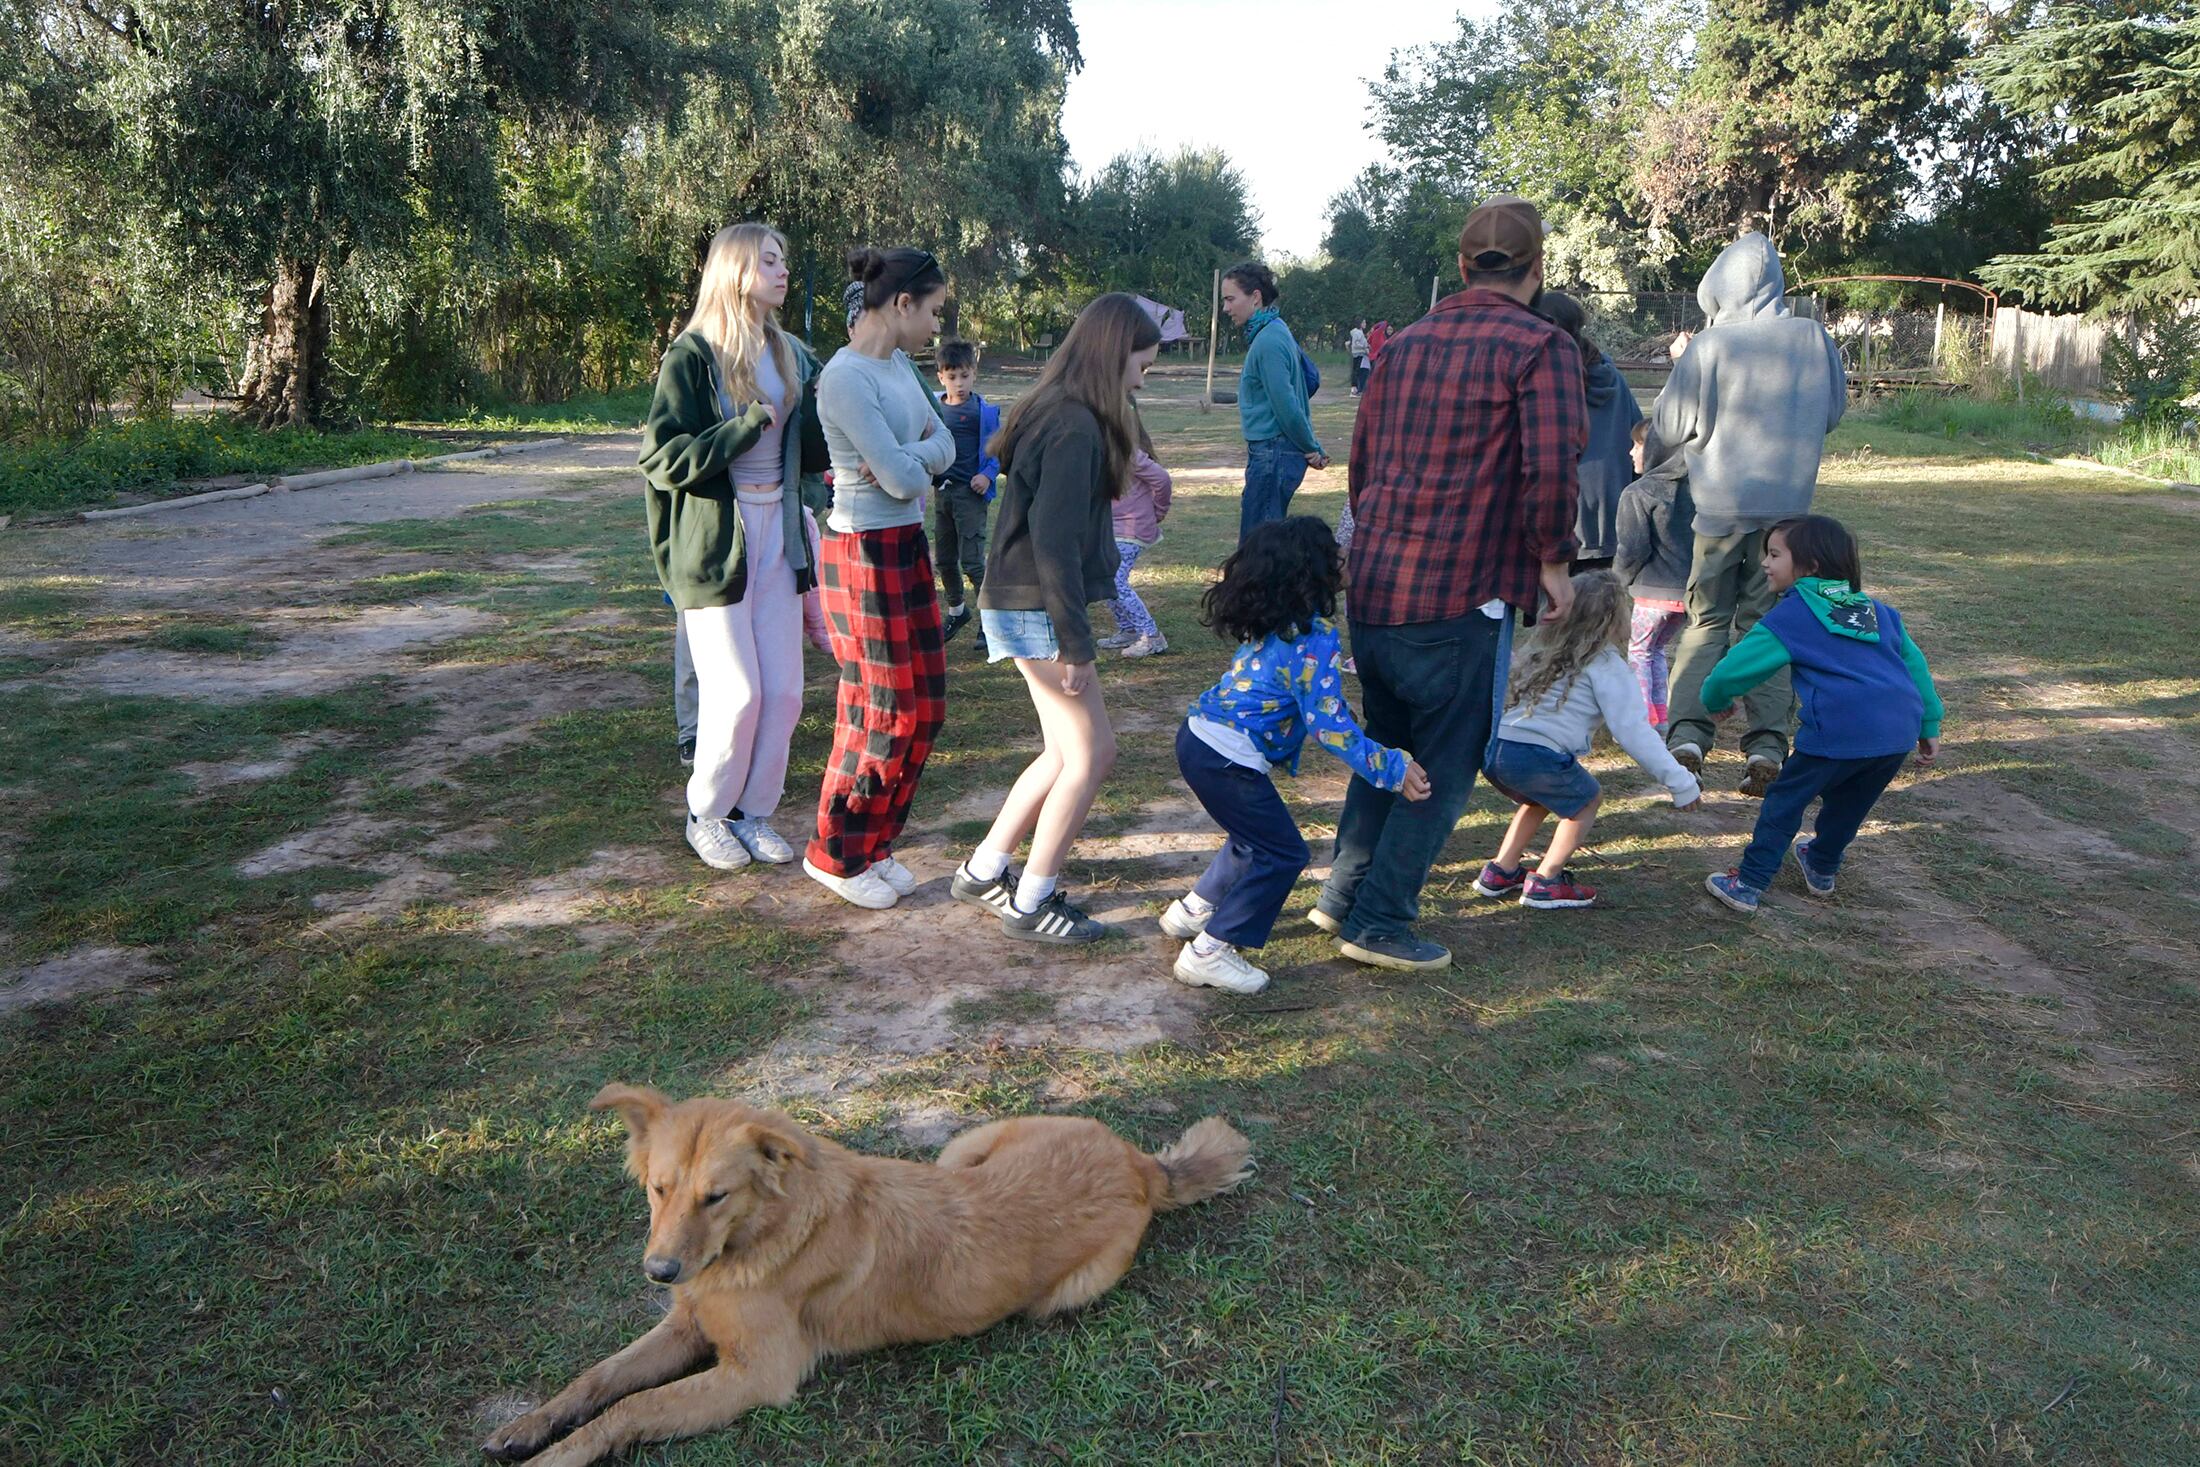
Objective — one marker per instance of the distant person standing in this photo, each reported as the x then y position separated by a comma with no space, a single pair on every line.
1363,359
1607,464
1280,445
1464,469
1744,418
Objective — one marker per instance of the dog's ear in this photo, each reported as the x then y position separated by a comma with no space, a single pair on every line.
782,1148
638,1105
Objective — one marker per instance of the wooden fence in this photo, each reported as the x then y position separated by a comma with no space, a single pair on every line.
2063,352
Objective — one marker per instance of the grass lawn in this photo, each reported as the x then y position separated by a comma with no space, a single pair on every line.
1912,1176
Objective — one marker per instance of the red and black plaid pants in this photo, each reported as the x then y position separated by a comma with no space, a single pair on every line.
883,615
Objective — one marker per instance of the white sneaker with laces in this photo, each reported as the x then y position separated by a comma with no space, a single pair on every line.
894,874
1152,646
716,843
764,843
1182,923
1222,968
864,889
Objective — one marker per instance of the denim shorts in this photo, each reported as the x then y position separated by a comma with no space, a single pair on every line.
1027,634
1530,774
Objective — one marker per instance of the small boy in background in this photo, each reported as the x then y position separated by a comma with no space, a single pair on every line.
966,489
1656,530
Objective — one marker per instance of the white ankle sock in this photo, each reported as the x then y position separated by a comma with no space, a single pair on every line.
1196,904
986,865
1206,946
1033,890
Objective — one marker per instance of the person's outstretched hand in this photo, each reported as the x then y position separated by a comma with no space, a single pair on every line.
1416,786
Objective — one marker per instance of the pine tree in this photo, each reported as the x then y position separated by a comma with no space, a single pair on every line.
2127,90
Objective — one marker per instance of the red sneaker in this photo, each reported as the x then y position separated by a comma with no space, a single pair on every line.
1551,893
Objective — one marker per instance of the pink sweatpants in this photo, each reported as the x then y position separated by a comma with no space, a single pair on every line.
748,674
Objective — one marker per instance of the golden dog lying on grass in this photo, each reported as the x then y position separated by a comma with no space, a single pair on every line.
781,1248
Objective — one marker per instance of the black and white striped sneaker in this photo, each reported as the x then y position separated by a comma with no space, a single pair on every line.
1055,921
996,896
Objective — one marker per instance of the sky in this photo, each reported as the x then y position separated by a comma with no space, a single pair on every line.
1288,109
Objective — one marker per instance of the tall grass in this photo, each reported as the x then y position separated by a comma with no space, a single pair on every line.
2045,425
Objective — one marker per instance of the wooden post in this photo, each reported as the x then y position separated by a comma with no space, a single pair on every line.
1214,337
1867,363
1940,319
2016,350
1433,282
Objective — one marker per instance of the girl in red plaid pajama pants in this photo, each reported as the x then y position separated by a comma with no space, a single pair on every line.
887,444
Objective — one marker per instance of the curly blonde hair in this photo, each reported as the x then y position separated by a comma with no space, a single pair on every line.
1561,648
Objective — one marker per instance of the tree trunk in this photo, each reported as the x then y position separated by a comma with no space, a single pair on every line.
286,383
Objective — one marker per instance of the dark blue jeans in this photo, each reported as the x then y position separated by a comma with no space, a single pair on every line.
1273,472
1429,688
1848,788
1251,877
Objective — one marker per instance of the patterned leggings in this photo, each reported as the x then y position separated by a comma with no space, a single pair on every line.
1648,635
884,618
1131,614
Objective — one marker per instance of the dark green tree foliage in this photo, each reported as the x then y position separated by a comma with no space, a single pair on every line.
2124,90
283,145
1799,115
1161,226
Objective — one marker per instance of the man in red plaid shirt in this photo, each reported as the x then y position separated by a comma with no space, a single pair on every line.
1464,477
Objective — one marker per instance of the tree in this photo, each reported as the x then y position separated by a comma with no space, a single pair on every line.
1161,226
2124,91
280,146
1797,116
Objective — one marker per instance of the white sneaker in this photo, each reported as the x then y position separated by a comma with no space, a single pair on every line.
1222,968
894,874
1115,640
1182,923
864,889
1152,646
764,843
716,843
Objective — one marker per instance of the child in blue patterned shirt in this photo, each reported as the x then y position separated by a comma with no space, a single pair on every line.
1275,599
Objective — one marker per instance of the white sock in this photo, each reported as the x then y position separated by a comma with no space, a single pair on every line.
1196,904
1033,890
1206,946
986,865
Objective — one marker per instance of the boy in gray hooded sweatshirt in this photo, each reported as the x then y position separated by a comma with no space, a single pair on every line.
1744,417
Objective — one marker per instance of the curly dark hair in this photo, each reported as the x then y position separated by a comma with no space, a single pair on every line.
1254,278
1286,573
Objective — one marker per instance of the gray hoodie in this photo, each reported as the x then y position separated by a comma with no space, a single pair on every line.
1746,412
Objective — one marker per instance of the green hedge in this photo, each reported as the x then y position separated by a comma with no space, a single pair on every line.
152,455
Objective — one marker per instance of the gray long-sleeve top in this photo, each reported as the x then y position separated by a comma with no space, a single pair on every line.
875,414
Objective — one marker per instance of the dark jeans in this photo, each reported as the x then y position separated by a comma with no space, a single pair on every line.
1848,788
1430,688
1363,369
1251,877
958,539
1273,471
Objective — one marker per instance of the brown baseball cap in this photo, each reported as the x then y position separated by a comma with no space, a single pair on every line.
1503,232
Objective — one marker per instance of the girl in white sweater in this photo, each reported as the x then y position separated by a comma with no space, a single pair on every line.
1574,677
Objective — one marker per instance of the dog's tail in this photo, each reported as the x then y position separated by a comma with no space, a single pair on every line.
1211,1157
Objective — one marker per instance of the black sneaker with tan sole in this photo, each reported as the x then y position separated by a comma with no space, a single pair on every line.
995,896
1057,920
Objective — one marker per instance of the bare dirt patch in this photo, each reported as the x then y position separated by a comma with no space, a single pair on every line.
567,899
84,972
310,656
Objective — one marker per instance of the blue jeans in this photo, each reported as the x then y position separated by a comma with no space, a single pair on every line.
1251,877
1273,472
1848,789
1432,688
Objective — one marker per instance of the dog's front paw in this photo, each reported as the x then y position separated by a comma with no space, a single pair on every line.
521,1440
